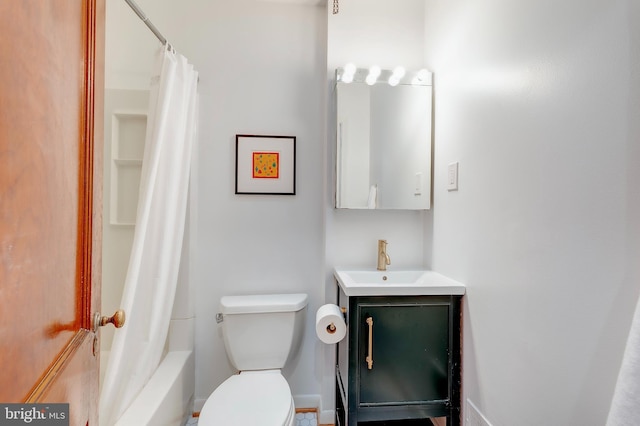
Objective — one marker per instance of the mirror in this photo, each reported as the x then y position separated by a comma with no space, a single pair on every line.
383,126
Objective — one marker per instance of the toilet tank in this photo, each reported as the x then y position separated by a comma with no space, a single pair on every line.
261,332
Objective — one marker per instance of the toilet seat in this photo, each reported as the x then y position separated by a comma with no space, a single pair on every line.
250,398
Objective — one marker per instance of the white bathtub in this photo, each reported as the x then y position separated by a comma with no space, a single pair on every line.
167,400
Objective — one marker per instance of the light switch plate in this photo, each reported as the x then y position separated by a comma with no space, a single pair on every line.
452,177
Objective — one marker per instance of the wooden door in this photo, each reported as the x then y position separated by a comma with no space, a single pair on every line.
51,84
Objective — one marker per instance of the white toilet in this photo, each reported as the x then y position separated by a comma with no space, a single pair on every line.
260,333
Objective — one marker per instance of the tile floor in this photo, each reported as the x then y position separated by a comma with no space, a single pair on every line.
306,419
302,419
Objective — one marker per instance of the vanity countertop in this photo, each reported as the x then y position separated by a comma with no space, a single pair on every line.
413,282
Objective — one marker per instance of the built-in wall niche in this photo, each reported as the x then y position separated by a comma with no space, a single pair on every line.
127,149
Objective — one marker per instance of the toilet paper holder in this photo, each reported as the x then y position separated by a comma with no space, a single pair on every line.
331,328
330,325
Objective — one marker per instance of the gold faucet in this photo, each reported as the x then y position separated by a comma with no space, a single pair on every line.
383,257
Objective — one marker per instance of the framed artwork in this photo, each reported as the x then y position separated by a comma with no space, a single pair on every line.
265,165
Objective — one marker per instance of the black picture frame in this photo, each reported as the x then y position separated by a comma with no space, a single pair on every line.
265,165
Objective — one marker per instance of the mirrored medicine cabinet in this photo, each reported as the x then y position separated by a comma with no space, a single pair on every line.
383,136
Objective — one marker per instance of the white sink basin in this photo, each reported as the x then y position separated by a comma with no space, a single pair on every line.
396,283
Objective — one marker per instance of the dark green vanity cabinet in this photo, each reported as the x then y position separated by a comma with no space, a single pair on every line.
414,371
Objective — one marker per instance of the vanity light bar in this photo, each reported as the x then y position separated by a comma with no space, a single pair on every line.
375,75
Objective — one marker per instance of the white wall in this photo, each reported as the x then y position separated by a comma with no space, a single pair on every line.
539,102
262,71
129,48
369,32
124,138
388,36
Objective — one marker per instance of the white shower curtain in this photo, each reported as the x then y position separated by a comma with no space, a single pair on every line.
625,407
151,280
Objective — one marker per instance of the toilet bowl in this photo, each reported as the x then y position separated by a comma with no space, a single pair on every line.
250,398
261,332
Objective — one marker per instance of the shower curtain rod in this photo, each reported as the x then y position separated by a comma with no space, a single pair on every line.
144,18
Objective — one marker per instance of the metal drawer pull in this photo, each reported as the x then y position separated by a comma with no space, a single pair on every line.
370,348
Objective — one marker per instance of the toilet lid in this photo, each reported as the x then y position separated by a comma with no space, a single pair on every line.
249,398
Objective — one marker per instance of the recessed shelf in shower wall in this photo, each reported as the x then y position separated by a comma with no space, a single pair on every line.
127,148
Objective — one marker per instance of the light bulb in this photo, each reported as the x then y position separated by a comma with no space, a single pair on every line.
393,80
421,78
399,72
350,68
423,75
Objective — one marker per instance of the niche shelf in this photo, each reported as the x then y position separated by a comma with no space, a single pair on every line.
127,149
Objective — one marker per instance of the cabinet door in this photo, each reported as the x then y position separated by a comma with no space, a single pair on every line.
410,351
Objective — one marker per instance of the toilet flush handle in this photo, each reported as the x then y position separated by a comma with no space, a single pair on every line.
219,318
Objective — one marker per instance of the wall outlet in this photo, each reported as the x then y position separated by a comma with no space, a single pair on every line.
452,177
473,416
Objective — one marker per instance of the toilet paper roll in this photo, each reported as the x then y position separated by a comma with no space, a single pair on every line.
330,325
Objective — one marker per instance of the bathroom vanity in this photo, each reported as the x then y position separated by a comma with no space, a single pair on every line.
400,358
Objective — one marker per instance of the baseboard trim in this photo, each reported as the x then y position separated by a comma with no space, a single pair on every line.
198,404
304,404
307,401
327,417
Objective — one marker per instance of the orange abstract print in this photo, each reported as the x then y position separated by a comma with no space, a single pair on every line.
266,165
